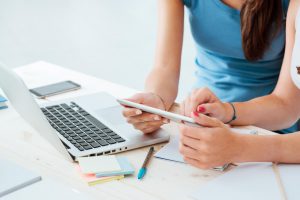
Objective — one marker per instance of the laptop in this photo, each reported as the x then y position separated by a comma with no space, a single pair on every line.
89,125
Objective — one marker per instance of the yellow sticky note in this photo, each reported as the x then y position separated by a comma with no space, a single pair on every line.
96,164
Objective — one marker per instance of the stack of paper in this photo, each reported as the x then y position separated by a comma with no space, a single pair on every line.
100,169
2,103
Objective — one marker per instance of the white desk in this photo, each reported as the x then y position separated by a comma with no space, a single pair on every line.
21,144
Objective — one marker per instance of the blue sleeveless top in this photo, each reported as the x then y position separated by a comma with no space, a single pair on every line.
220,61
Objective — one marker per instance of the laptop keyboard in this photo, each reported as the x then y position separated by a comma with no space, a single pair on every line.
79,127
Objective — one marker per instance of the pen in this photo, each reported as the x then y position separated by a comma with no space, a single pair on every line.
143,170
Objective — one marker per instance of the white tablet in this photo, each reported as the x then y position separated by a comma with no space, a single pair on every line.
175,117
171,116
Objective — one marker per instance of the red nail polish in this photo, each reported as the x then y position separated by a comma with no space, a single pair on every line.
196,114
200,109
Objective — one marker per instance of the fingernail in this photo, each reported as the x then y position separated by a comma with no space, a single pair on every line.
200,109
156,118
166,121
196,114
138,112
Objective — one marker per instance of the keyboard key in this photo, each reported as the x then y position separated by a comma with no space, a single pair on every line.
95,145
75,137
111,134
115,137
80,148
90,140
102,142
80,141
85,137
96,137
111,141
89,132
81,134
119,140
102,134
107,131
83,143
92,135
69,138
73,141
105,137
87,147
77,145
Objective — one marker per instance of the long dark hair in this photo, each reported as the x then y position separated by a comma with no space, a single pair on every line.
260,22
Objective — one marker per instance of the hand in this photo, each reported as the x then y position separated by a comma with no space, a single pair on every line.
209,146
143,121
205,101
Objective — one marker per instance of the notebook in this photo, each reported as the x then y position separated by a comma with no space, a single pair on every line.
14,177
126,168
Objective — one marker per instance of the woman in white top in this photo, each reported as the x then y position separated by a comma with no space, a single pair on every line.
215,144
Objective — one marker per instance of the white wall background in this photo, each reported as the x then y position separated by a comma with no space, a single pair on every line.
110,39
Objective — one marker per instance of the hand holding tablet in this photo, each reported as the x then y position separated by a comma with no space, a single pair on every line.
168,115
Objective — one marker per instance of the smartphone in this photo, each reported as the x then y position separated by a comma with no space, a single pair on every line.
171,116
54,89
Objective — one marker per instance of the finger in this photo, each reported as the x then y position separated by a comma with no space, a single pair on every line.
144,117
201,96
187,108
198,133
208,108
146,127
196,163
187,151
182,108
190,142
206,121
130,112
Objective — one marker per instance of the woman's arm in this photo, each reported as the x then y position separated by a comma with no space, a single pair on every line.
162,83
164,78
276,111
214,144
280,109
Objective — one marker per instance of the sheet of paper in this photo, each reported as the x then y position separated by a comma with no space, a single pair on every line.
92,165
171,150
248,181
290,177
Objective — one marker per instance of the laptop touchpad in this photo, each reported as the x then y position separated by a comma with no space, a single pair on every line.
113,115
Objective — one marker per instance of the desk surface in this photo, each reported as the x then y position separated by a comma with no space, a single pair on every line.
21,144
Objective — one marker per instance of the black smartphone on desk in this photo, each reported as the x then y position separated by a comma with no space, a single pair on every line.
54,89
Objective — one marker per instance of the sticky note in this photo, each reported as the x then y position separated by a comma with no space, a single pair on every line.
97,164
126,168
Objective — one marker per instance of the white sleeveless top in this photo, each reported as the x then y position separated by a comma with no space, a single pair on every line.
295,67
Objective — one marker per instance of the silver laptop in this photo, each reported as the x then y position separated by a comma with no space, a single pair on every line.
88,125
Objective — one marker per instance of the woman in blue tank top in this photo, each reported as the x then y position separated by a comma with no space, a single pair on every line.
239,45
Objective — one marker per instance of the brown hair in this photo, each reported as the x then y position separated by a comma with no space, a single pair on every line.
260,22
